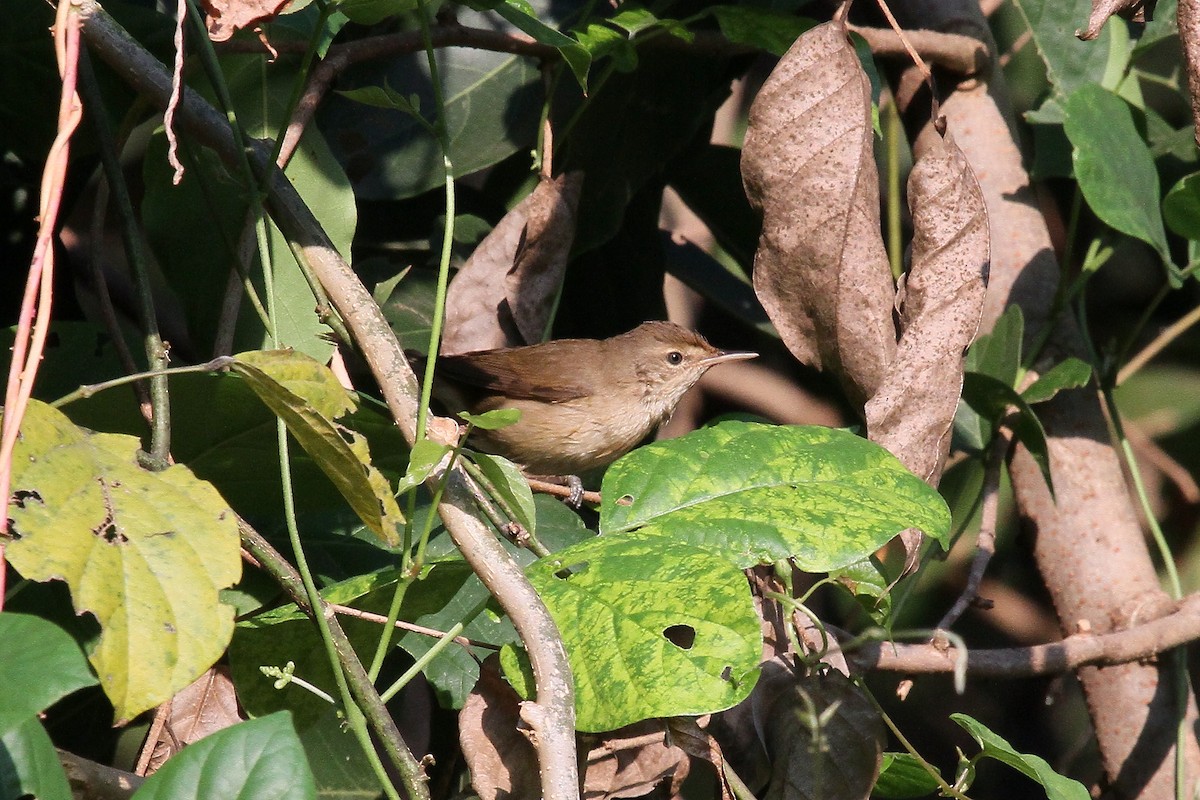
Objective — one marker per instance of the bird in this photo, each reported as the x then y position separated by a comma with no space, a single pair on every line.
584,402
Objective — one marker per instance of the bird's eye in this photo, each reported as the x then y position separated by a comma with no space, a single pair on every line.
674,357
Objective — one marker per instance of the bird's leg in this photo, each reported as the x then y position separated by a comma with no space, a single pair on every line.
552,484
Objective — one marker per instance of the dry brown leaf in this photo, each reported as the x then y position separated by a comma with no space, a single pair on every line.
912,414
821,270
501,759
504,294
226,17
826,741
632,761
913,411
206,706
1133,10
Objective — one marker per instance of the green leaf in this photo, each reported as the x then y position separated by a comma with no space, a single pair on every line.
998,353
522,16
670,630
48,666
343,455
763,28
512,486
1070,63
372,12
759,493
600,40
308,379
29,765
866,580
259,758
424,458
1181,207
514,662
494,419
1035,768
991,399
491,109
1114,169
901,777
384,97
145,552
1070,373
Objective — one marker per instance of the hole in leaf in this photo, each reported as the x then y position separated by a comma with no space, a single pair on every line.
727,673
109,532
571,569
13,533
21,495
625,500
682,636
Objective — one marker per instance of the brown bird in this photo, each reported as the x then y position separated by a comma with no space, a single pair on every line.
584,402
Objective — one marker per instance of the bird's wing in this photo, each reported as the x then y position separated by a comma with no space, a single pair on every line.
508,376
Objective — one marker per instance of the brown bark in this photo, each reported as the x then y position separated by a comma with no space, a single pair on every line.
1089,546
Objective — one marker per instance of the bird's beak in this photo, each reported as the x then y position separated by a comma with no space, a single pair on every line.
728,355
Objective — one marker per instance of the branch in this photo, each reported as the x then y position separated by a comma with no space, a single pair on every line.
554,709
1145,641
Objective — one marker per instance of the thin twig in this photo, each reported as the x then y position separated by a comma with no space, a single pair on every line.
985,542
407,626
904,40
1168,335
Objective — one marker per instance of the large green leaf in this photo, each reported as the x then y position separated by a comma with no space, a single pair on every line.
260,759
491,110
759,493
29,765
1115,170
278,378
652,628
46,667
145,552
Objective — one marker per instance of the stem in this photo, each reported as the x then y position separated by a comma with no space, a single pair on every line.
422,662
87,390
364,693
157,457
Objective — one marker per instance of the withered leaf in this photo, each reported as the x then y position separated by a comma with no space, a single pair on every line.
226,17
504,294
826,741
913,411
821,271
632,761
501,759
206,706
